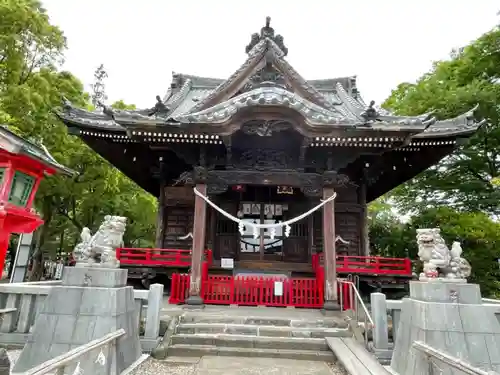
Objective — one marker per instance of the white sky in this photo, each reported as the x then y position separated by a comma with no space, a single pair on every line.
383,42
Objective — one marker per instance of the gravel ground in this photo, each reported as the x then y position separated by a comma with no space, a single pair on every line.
153,367
336,370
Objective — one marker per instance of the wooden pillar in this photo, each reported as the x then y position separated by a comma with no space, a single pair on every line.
331,298
365,237
212,220
199,229
310,234
161,219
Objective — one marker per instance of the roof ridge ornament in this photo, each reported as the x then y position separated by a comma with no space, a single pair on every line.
267,32
370,114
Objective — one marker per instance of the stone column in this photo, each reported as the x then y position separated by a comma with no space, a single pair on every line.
199,229
331,298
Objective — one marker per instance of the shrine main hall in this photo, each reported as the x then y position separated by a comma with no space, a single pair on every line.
266,168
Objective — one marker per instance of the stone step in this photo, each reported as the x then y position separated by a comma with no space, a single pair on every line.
265,321
184,350
262,330
246,341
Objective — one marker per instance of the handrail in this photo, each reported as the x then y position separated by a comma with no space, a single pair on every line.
491,300
64,359
359,301
358,297
457,363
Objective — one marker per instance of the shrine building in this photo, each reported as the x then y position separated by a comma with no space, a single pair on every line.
265,146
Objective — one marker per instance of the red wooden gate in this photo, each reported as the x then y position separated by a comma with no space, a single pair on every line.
252,291
263,291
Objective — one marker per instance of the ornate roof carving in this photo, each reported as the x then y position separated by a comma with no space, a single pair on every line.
276,96
264,96
267,32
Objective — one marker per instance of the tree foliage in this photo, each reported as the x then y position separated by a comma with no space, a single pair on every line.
31,87
461,194
462,180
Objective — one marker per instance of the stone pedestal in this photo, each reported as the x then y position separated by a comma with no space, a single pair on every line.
4,362
451,318
90,303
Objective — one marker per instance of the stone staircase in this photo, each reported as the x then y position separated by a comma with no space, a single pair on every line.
200,334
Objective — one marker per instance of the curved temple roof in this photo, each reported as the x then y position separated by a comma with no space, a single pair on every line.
14,144
267,79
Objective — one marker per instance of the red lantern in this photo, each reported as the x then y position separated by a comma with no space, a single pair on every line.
23,165
239,188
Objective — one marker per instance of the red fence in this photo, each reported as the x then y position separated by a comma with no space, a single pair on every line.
179,288
263,291
252,291
368,265
157,257
345,264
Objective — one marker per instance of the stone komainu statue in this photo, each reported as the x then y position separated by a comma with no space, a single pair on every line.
99,250
439,261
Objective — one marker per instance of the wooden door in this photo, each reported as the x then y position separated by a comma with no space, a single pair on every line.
226,239
347,226
295,246
179,222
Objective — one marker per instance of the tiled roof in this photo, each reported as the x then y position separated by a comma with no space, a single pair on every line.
333,102
32,150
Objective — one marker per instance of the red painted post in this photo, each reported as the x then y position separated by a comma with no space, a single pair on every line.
204,279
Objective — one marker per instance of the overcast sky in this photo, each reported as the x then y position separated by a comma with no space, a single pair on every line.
383,42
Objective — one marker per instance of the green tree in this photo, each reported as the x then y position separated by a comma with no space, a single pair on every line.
462,180
388,234
31,88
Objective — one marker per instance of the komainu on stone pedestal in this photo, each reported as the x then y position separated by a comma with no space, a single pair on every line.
99,250
440,262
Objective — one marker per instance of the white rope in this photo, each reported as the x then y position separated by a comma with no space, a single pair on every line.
189,235
255,226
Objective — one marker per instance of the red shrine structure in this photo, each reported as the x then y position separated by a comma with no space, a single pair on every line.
265,176
23,165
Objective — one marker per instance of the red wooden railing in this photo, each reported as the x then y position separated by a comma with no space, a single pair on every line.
261,291
179,288
252,291
157,257
345,264
368,265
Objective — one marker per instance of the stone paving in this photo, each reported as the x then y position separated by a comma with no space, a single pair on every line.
224,365
241,366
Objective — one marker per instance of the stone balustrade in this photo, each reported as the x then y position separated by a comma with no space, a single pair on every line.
72,359
20,303
386,330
